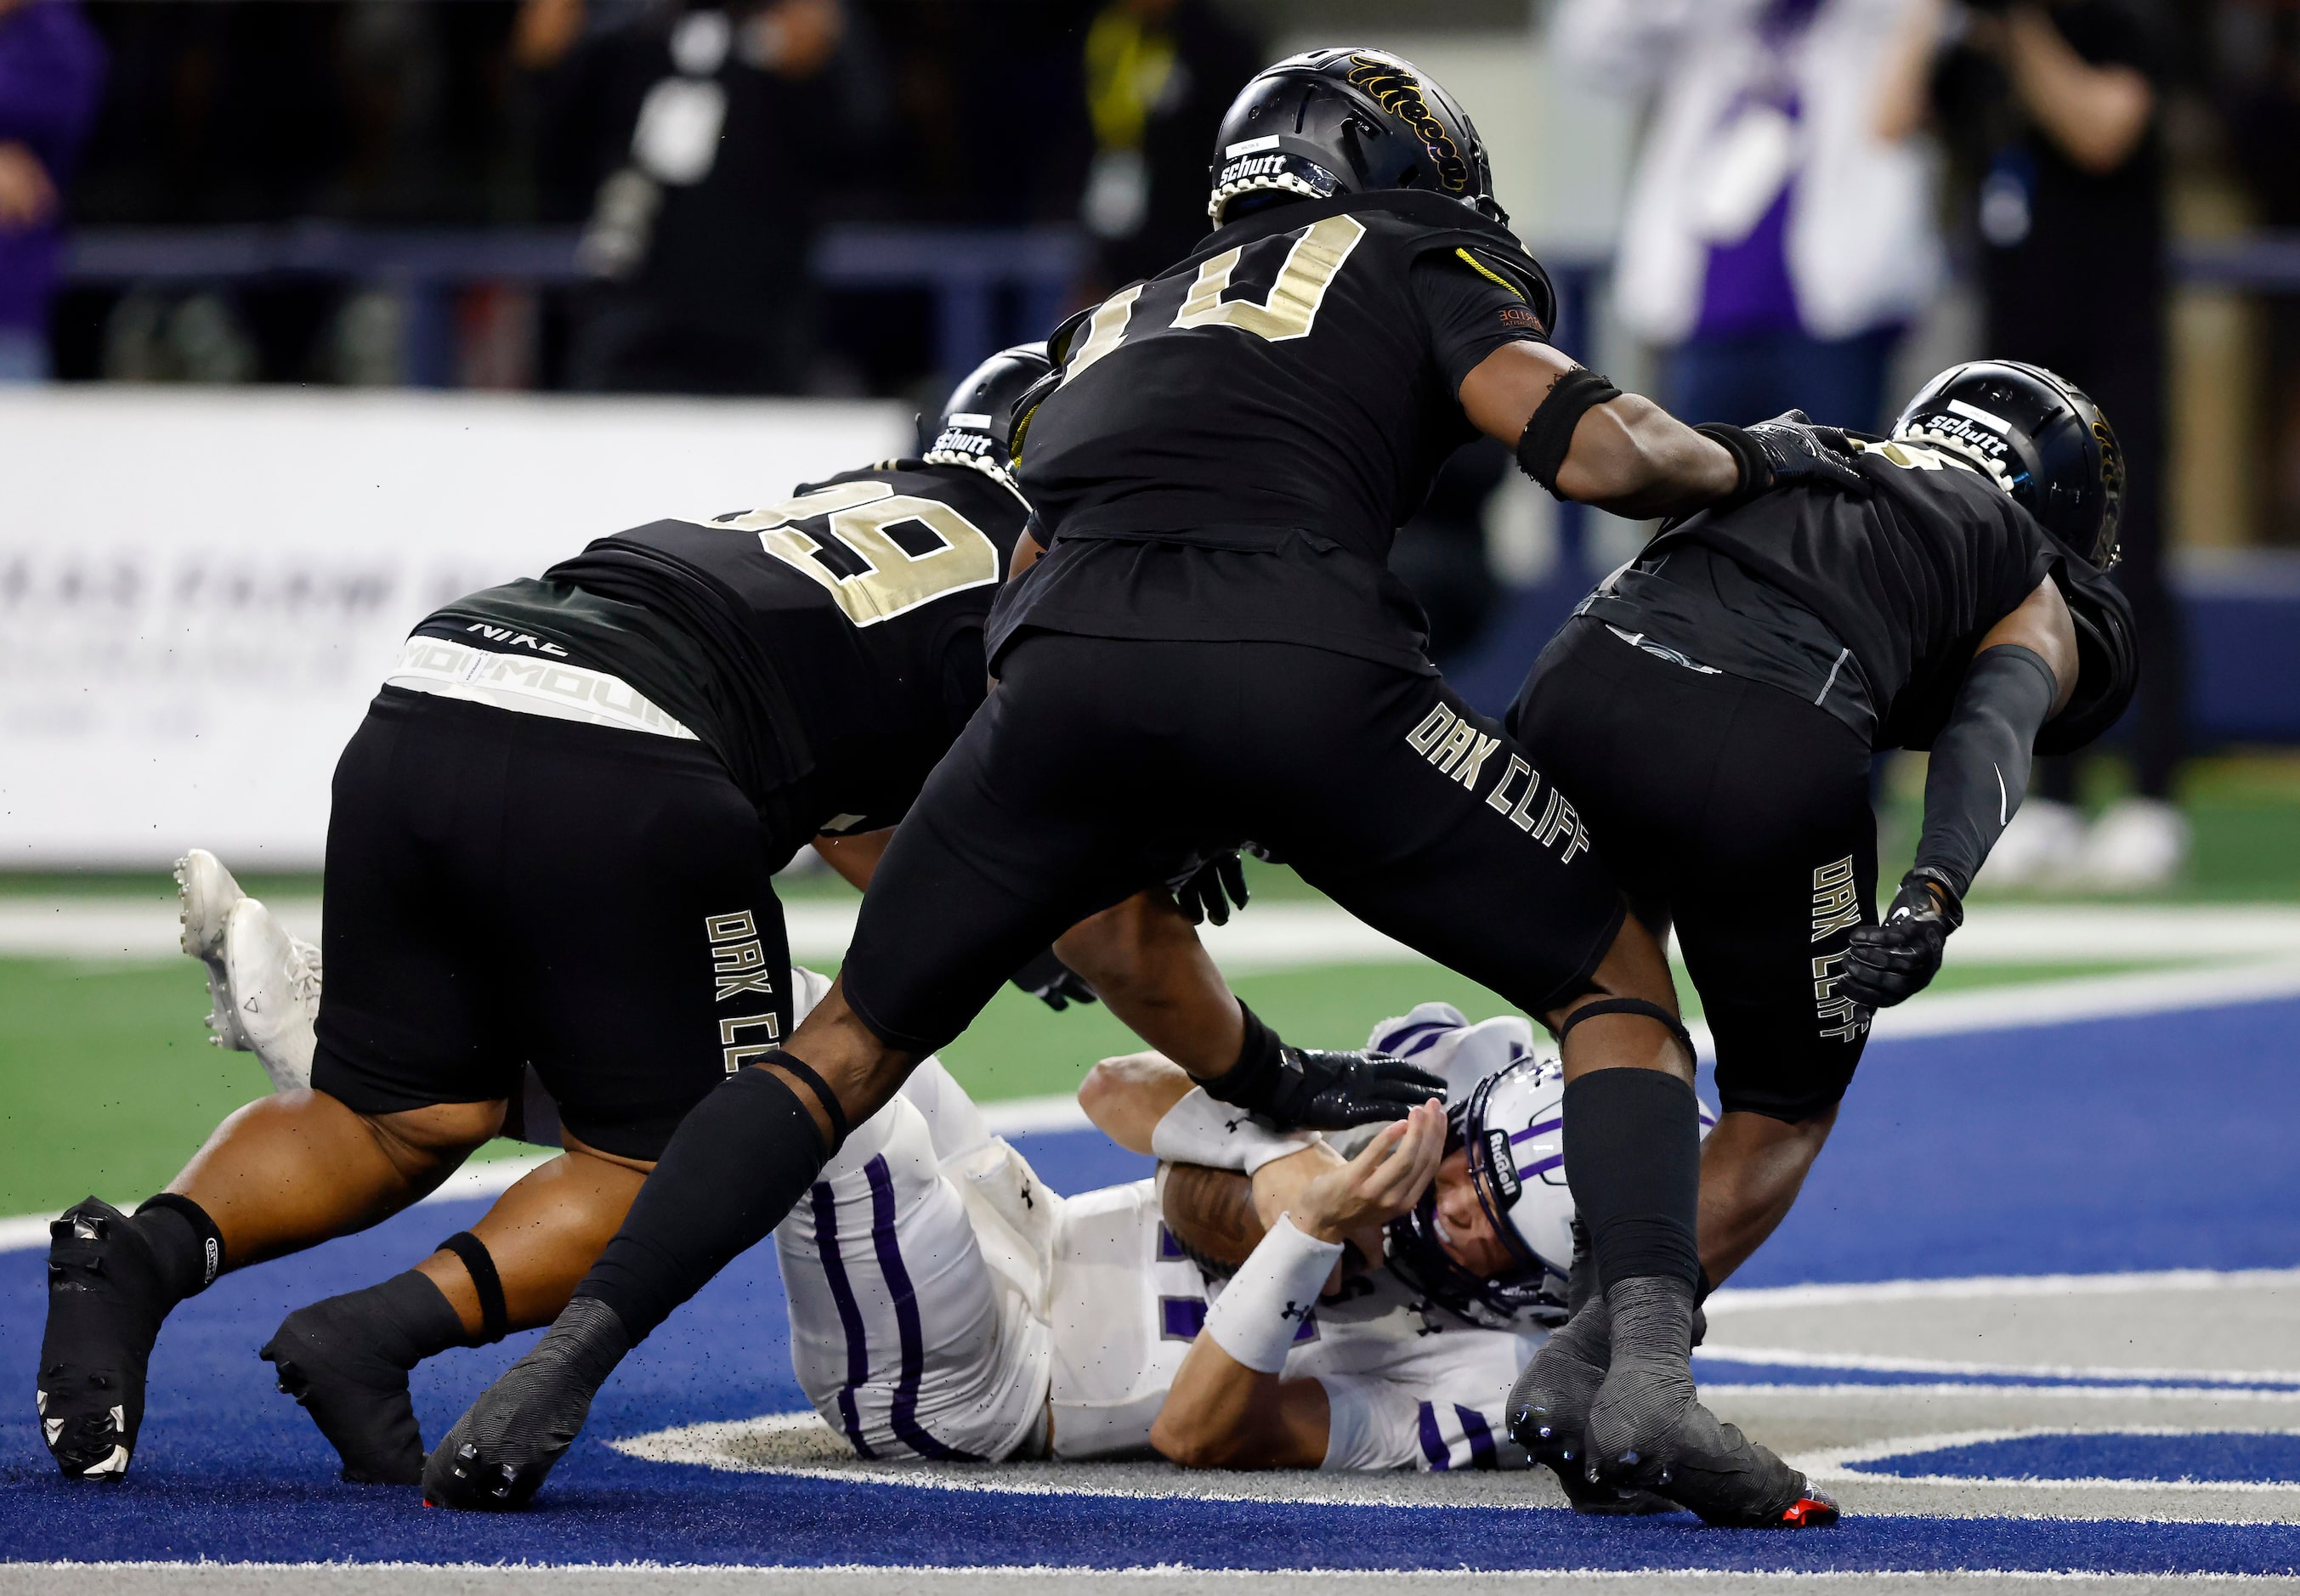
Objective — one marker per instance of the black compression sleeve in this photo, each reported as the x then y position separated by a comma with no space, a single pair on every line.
1548,437
737,1163
1633,1158
1979,766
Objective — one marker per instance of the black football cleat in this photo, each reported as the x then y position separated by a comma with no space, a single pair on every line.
1549,1410
106,1298
329,1362
495,1457
1648,1431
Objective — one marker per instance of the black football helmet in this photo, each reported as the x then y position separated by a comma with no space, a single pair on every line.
980,421
1345,122
2040,437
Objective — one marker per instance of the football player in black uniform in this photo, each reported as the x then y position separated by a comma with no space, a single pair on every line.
1212,649
553,844
1714,706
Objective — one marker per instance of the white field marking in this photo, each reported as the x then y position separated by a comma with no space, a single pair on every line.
1287,936
1385,1577
707,1445
1879,1363
1015,1116
1728,1299
1955,1388
1834,1463
126,930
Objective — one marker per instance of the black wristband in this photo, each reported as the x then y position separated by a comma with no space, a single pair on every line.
1548,437
802,1070
1756,471
211,1239
1246,1084
495,1315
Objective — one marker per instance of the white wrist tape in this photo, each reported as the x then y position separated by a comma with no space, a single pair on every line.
1198,1130
1261,1311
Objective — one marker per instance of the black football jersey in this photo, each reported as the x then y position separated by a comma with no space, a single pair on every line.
1904,585
1235,442
830,644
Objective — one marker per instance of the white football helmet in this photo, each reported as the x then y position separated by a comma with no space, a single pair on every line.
1508,1111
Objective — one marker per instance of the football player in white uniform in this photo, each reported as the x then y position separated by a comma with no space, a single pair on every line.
1267,1301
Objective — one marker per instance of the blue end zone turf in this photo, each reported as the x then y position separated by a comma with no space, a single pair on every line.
2077,1148
2202,1455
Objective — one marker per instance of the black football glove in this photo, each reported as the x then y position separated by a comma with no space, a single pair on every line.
1310,1090
1053,982
1893,962
1785,451
1207,892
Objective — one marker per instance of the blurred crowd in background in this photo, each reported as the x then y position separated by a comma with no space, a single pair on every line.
1813,182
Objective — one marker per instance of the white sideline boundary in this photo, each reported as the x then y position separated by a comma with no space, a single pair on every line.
1017,1116
1281,936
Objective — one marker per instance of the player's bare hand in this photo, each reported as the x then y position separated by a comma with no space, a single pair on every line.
1385,1180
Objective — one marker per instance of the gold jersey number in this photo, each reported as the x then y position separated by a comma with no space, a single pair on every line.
856,515
1290,308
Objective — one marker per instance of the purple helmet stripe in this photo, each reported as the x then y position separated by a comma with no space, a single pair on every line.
1537,1128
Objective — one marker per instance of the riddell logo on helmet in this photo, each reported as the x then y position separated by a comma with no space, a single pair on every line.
1399,93
1503,1165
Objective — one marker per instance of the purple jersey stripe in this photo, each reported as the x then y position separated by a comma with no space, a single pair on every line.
1480,1435
1433,1443
1415,1038
905,1414
850,1317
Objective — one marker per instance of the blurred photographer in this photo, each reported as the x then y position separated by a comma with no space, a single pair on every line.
708,138
1779,234
2055,113
51,84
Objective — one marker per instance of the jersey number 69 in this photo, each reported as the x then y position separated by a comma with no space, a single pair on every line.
859,522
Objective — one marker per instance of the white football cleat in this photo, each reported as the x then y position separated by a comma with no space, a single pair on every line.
205,895
2044,846
2137,843
274,988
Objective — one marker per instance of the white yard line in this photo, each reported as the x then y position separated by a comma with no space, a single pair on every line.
1018,1116
1290,936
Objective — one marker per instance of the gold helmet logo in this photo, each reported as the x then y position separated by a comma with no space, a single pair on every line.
1399,93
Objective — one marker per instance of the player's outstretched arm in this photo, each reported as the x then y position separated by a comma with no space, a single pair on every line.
1583,440
1127,1096
1229,1407
2023,674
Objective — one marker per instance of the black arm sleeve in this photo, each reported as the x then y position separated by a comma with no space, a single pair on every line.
1979,766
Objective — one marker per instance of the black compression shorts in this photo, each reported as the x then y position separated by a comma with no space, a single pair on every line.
1742,813
1099,764
504,888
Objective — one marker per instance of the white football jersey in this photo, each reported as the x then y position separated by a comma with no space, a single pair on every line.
944,1305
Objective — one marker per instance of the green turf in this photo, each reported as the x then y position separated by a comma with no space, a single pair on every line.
107,1083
